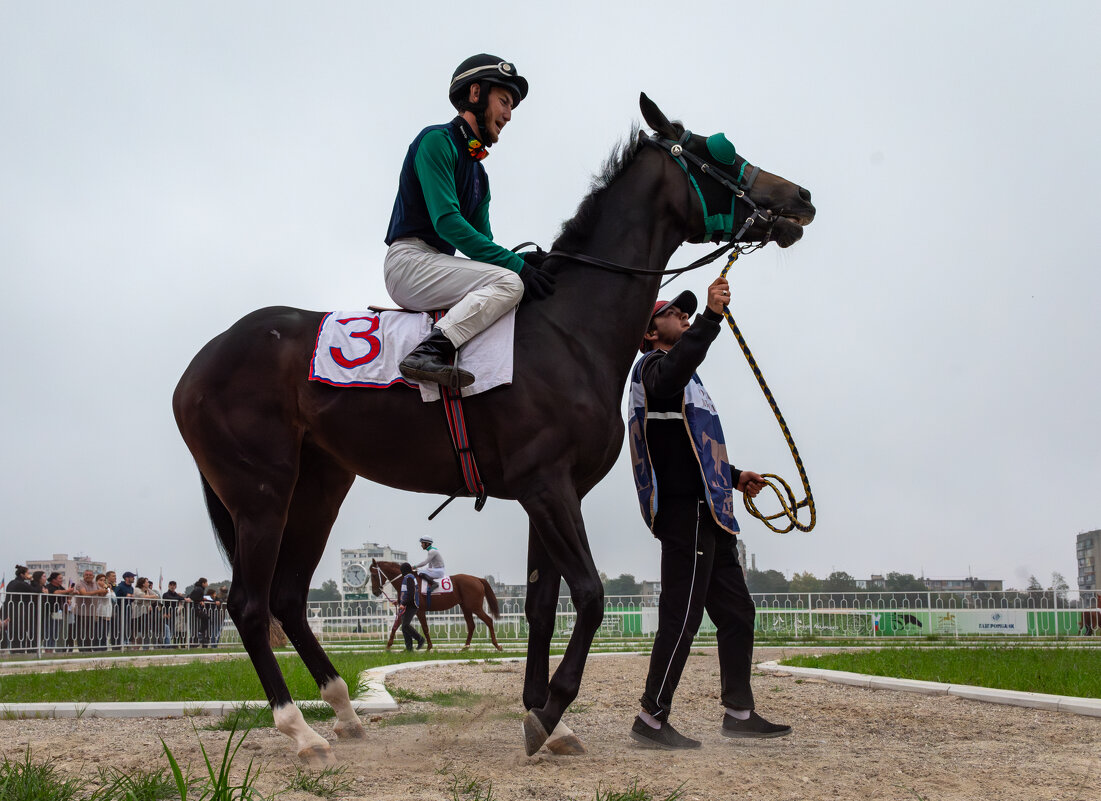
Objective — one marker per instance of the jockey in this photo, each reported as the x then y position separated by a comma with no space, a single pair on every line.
432,567
408,608
442,206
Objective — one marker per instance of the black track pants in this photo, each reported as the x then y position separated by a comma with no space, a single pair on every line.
407,630
699,569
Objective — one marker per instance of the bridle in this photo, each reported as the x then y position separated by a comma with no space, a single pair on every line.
382,580
717,227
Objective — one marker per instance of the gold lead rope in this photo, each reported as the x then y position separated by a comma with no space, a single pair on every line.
790,507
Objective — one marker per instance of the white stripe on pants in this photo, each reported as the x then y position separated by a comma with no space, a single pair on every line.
420,278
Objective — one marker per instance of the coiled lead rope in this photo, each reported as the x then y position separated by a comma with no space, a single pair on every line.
789,506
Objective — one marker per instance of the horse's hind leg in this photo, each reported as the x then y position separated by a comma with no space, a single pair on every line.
322,486
423,618
257,548
489,625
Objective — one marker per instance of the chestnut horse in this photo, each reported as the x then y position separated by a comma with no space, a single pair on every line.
278,453
469,593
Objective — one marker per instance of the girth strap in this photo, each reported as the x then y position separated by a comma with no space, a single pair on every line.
456,423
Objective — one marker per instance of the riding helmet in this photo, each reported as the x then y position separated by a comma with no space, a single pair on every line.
484,68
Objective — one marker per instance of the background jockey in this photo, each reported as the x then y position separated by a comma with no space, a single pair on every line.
408,608
443,206
432,567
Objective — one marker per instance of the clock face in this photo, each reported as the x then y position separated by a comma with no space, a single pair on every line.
355,575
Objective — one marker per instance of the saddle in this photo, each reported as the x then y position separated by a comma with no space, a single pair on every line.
426,585
363,349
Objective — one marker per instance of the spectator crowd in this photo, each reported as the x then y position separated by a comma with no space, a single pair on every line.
42,613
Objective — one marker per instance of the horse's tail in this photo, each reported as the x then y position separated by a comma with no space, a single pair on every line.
491,599
220,520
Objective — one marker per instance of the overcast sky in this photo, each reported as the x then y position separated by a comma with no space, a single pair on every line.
933,340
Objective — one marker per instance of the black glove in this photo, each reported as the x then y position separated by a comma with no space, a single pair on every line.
538,283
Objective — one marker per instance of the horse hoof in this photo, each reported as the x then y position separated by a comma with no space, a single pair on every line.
465,648
534,733
317,756
350,731
564,742
499,648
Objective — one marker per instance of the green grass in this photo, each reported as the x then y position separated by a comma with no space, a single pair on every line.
1060,671
26,780
326,783
261,717
405,719
141,785
459,697
231,680
636,793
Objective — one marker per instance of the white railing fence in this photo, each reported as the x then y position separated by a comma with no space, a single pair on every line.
43,625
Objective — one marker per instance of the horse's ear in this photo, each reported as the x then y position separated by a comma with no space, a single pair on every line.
655,118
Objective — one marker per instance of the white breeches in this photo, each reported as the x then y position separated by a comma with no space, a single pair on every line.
420,278
433,572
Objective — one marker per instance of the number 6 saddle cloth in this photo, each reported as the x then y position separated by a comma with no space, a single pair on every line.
363,349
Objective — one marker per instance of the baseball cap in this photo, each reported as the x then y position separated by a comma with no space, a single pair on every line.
128,574
685,301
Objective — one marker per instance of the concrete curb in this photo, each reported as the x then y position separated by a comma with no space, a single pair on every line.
1054,703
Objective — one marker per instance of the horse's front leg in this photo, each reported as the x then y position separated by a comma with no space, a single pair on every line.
541,611
555,514
469,626
393,630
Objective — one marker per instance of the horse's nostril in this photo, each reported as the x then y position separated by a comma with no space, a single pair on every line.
804,194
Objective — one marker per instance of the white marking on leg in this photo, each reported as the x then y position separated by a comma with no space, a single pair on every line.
289,720
334,692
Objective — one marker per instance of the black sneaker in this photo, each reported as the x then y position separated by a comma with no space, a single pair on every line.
666,738
754,727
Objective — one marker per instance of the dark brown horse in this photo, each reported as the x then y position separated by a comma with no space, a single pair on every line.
278,453
469,593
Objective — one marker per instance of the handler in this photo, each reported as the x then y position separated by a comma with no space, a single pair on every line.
408,608
685,487
443,206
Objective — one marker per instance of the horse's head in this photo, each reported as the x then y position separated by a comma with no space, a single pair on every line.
735,198
376,578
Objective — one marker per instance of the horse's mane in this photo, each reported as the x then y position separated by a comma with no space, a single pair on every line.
576,229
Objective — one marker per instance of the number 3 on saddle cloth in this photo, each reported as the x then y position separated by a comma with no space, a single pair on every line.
363,349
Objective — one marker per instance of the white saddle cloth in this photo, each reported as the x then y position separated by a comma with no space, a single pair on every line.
443,584
363,349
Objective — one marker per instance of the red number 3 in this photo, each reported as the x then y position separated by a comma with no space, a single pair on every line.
374,346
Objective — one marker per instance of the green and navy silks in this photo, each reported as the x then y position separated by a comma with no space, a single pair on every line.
443,196
705,433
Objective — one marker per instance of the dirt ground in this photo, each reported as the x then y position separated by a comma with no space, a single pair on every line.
848,743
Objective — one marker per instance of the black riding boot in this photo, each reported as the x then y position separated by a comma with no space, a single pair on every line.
430,361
